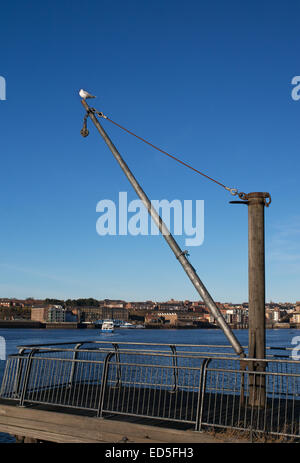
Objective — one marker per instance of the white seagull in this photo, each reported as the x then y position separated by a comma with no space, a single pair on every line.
85,94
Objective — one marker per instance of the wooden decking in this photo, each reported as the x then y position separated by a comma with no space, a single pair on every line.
53,426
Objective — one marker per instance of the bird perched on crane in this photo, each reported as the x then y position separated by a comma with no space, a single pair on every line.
84,95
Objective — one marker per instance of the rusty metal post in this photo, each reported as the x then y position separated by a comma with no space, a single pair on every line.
256,203
256,278
256,274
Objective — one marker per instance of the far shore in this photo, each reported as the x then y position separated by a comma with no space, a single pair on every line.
30,324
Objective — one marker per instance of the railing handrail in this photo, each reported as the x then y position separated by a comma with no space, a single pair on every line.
223,346
193,355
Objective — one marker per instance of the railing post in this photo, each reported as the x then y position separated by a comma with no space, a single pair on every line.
74,363
19,370
116,347
243,368
26,377
201,392
103,383
175,367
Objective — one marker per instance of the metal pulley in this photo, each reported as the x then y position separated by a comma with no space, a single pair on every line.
84,131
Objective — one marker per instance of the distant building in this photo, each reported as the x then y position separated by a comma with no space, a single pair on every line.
296,314
56,314
49,314
92,314
169,317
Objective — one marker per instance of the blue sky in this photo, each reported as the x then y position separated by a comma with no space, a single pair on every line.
207,81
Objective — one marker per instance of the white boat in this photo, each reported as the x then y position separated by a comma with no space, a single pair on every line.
107,326
127,325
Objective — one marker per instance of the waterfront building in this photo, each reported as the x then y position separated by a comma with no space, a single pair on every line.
92,314
47,313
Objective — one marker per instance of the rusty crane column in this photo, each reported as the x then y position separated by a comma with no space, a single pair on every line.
256,279
256,274
256,203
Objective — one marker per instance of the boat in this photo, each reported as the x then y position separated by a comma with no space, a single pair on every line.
127,325
139,326
107,326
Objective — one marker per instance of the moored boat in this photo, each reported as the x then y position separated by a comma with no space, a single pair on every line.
127,325
107,326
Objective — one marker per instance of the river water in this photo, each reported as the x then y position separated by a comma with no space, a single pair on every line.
11,338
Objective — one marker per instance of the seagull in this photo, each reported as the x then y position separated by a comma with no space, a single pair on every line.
85,94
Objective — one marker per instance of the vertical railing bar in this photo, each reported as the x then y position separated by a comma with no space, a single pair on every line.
144,392
286,402
74,364
174,363
241,390
266,404
116,347
272,402
120,394
222,397
82,383
36,381
188,394
59,386
260,384
134,389
164,397
192,408
45,381
139,389
129,368
293,407
227,399
41,382
171,394
149,391
201,393
279,405
64,385
125,370
103,382
50,393
95,382
216,393
77,385
89,384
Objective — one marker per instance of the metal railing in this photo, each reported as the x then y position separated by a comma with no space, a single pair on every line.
180,384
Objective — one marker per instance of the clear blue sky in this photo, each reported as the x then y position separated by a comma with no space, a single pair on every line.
207,81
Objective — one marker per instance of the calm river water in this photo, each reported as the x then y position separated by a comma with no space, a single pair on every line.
15,337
